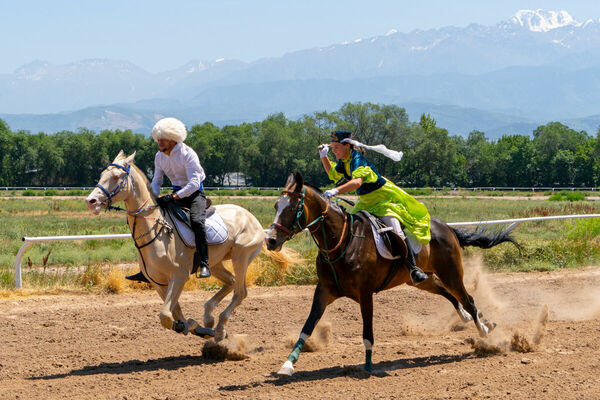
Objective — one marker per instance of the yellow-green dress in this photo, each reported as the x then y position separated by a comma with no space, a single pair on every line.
381,197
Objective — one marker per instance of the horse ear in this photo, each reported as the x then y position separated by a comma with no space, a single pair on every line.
129,160
290,181
299,181
119,156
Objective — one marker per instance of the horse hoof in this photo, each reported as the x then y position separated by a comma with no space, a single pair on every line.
483,331
287,369
181,327
205,333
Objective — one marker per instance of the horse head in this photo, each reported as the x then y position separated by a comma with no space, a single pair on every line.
300,206
290,211
114,184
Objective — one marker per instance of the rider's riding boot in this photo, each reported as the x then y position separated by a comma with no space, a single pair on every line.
201,267
139,277
416,274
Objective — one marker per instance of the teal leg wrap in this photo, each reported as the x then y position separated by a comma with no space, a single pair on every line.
368,361
293,357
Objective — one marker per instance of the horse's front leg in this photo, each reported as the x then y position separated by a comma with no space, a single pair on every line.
171,299
218,271
321,299
366,309
240,266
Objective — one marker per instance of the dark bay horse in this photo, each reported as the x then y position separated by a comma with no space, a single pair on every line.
349,265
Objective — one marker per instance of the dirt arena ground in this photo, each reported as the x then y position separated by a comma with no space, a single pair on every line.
112,346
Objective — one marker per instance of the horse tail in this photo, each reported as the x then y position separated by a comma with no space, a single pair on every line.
485,238
283,258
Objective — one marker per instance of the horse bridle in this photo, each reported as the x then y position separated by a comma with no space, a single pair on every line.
296,227
300,212
326,252
124,180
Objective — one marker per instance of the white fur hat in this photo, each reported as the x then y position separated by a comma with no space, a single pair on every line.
169,128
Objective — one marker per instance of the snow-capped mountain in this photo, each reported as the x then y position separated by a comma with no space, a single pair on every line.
544,21
537,64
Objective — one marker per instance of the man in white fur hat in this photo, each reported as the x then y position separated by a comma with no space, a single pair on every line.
181,165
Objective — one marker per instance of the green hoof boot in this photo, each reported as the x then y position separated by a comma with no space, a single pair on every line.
368,361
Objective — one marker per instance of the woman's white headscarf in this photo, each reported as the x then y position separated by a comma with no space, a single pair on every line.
170,129
380,148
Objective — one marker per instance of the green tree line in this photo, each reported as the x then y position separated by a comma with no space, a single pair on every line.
267,151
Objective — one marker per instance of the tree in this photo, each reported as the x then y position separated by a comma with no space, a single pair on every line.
554,146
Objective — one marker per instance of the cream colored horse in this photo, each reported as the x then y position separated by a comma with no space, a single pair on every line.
166,261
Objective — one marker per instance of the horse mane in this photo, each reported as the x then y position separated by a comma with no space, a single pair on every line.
146,181
315,188
319,193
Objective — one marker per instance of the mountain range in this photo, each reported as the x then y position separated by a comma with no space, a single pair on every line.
534,67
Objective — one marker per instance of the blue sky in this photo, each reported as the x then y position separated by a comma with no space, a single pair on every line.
161,35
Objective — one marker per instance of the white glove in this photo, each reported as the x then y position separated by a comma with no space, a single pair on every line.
331,192
323,150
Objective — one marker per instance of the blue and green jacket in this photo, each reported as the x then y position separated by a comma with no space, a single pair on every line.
357,166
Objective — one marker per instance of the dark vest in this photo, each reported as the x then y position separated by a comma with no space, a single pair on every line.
358,160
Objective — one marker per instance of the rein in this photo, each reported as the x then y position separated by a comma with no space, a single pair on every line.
325,252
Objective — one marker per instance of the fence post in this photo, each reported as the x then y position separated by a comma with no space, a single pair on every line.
18,277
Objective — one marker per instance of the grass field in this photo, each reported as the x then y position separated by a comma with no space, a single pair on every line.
85,264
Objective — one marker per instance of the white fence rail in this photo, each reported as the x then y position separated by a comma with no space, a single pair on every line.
28,241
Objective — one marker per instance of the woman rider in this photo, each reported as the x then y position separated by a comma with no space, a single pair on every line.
378,196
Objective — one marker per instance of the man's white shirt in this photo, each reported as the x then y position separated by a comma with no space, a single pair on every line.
182,167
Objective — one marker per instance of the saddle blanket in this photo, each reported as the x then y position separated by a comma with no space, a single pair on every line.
382,249
216,230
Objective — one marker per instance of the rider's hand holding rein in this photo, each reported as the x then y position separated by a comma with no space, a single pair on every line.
166,199
331,192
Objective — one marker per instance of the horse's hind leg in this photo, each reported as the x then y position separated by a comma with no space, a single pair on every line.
221,273
452,278
321,299
434,285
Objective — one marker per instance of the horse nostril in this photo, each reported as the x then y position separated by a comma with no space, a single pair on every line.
272,241
92,201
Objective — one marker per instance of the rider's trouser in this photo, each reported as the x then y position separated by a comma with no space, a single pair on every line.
393,222
196,202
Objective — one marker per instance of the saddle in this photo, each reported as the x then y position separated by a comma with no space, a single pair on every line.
216,230
389,244
183,213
